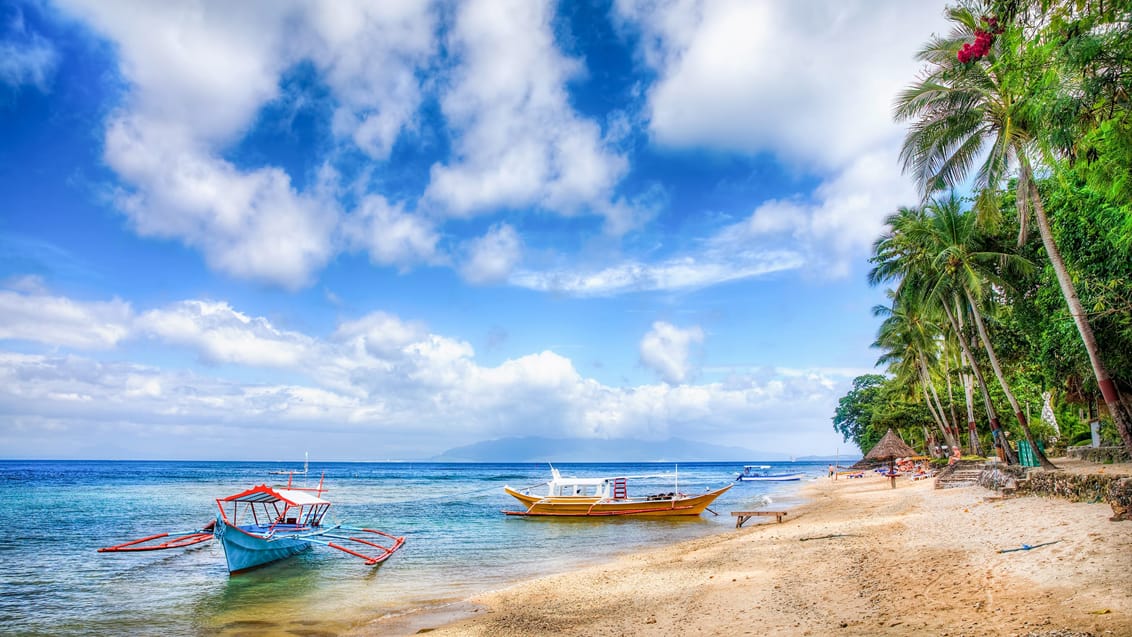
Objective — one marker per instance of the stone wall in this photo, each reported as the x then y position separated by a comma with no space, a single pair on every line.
1074,487
1116,490
1099,455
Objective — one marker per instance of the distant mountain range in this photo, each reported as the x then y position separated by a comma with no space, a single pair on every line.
538,449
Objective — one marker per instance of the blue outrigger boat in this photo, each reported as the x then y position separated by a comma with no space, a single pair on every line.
757,473
267,524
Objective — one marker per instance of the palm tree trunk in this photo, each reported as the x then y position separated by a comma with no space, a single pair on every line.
951,397
996,430
968,396
972,428
982,329
926,379
1120,413
924,384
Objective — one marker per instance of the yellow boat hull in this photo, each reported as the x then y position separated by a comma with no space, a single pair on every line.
588,506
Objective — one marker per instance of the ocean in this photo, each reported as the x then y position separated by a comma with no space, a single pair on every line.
457,543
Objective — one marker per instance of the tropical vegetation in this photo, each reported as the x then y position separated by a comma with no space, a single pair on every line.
1010,282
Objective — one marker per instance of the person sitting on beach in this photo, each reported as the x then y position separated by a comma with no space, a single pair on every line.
956,453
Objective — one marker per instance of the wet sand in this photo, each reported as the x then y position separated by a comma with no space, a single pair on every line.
859,558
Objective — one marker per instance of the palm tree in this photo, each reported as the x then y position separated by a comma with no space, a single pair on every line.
910,341
931,258
964,266
963,111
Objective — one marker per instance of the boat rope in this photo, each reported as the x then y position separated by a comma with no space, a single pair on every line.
1027,547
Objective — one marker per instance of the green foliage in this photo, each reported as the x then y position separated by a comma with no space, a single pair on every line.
874,405
855,411
1047,104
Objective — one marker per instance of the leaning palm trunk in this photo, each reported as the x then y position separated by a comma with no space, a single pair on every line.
972,429
945,425
968,396
933,410
1109,390
982,330
996,430
951,398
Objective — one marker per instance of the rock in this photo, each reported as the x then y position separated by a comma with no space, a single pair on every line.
1119,497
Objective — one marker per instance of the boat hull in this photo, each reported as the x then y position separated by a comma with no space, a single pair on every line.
580,506
245,551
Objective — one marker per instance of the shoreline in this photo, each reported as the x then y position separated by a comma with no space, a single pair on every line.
856,558
787,496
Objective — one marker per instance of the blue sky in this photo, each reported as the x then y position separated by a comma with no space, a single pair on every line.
380,230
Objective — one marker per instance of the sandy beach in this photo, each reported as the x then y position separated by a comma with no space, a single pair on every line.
859,558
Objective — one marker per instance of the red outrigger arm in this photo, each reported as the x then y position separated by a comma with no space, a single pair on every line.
177,540
370,560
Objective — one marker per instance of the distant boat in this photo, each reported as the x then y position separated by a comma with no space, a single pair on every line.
265,524
602,497
288,472
758,473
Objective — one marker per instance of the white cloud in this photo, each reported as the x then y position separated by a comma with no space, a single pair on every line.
248,224
369,52
25,57
39,317
518,142
223,335
492,257
200,74
390,235
805,81
667,350
711,267
842,219
377,381
380,334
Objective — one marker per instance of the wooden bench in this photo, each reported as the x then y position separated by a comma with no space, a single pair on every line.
742,516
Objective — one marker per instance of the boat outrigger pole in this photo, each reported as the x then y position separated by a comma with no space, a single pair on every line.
178,540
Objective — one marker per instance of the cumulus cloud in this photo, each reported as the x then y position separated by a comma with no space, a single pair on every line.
26,58
827,230
222,335
492,257
369,53
667,349
518,141
391,235
801,80
248,224
377,379
34,315
199,75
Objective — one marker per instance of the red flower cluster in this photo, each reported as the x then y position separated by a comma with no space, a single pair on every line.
983,39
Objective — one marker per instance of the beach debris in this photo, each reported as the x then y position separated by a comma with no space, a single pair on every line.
826,537
1027,547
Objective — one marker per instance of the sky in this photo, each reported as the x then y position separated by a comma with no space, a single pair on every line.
380,230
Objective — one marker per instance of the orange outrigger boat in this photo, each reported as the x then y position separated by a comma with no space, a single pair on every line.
598,497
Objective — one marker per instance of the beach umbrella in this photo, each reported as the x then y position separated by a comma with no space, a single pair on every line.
890,448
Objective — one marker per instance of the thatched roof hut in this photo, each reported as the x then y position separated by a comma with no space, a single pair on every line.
890,447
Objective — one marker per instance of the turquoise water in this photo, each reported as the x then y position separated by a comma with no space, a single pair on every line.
53,581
